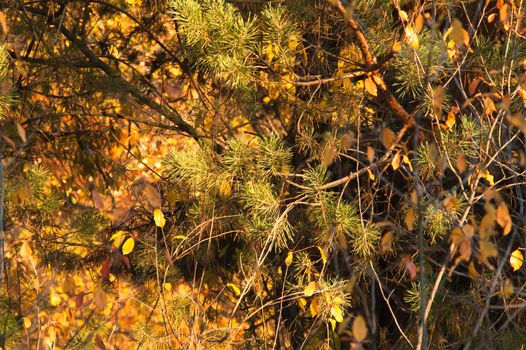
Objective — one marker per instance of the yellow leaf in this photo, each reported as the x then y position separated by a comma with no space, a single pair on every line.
516,259
54,298
168,286
333,324
371,175
302,303
451,120
395,163
486,175
159,219
180,237
405,160
503,218
337,313
310,289
117,238
370,86
288,259
27,322
359,328
234,288
411,37
128,246
323,256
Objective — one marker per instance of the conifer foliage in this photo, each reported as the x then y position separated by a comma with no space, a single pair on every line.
252,174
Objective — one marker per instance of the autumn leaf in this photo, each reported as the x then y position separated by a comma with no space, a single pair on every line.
158,218
411,37
234,288
359,328
503,218
128,246
337,313
288,259
370,87
516,259
388,137
310,289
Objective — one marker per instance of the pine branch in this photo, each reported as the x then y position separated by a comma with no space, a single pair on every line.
384,95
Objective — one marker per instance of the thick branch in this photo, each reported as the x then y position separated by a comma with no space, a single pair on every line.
384,95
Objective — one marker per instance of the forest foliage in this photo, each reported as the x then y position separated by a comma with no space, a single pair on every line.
262,174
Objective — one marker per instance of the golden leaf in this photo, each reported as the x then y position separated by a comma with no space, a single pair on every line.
516,259
370,86
168,286
159,219
359,328
395,163
405,160
128,246
288,259
333,324
419,23
27,322
388,137
451,120
54,298
302,302
323,256
310,289
337,313
411,37
234,288
503,218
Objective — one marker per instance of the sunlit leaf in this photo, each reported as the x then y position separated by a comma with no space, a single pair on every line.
159,219
128,246
516,259
337,313
288,259
310,289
